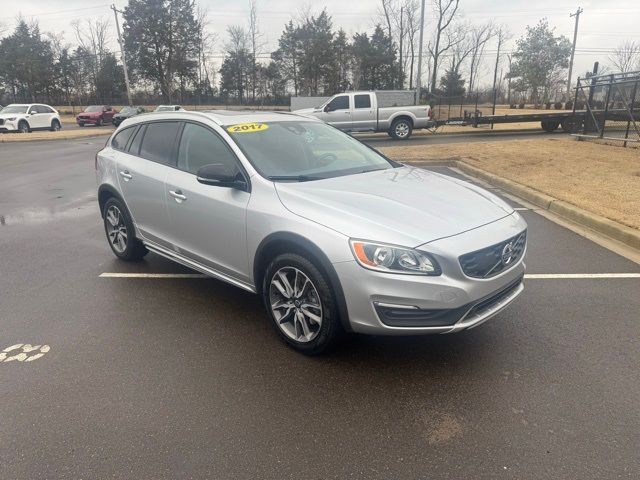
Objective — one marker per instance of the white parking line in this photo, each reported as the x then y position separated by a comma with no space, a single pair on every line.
545,276
529,276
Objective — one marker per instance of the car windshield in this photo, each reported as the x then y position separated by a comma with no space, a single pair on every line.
14,109
128,110
166,108
302,151
93,108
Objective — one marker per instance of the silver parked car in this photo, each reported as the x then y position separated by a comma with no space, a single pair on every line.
334,236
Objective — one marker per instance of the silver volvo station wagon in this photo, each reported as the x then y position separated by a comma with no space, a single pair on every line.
332,234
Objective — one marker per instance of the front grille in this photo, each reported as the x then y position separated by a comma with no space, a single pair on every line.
491,261
1,121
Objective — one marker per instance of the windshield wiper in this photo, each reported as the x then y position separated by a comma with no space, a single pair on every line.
297,178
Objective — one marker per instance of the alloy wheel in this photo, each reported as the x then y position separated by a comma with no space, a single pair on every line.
295,304
402,129
116,229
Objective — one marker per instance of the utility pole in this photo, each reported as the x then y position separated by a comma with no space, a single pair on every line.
124,58
401,34
419,75
495,74
573,48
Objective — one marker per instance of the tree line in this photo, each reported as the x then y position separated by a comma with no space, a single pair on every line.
171,57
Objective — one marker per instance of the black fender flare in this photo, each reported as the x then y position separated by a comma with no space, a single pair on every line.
300,243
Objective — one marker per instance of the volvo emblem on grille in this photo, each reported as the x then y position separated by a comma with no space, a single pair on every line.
507,253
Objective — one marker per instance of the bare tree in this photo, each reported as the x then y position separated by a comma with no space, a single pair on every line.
412,8
206,43
479,36
626,56
93,36
255,37
445,11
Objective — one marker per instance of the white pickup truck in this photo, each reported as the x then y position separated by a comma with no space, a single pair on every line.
361,112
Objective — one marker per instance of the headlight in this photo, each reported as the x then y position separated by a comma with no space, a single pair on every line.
12,119
393,259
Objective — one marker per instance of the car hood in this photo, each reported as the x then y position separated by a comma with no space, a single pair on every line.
405,206
11,115
90,114
308,112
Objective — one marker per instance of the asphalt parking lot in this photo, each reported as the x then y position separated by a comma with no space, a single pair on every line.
180,377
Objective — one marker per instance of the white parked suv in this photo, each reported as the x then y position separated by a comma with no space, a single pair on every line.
27,117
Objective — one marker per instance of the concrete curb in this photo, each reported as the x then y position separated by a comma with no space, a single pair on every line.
627,235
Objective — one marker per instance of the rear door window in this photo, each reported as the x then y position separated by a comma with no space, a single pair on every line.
119,142
158,141
362,101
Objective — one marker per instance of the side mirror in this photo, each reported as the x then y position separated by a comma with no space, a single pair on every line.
219,175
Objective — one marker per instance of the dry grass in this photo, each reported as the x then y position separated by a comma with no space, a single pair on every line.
602,179
60,135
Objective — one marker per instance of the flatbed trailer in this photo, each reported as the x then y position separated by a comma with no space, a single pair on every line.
569,121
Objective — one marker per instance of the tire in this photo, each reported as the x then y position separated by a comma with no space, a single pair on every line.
81,124
55,125
118,224
401,129
311,289
550,125
571,125
23,127
99,122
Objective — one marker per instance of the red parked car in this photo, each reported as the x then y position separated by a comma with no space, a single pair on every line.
96,115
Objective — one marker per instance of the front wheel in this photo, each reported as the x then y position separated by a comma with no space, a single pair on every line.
301,304
401,129
23,127
121,233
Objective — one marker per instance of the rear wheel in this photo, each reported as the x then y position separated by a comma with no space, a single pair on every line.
81,124
55,125
121,233
301,304
401,129
572,125
99,123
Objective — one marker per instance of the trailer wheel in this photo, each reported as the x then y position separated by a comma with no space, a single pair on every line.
550,125
571,125
401,129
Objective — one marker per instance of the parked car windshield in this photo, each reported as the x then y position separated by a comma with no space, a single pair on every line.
128,110
93,108
302,151
15,109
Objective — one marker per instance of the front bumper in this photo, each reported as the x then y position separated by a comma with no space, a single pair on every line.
87,121
393,304
8,126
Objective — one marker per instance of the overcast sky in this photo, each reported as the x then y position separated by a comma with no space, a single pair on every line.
603,25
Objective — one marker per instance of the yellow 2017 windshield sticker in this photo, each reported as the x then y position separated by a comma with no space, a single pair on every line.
247,127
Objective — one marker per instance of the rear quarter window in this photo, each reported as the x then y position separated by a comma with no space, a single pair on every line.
159,141
121,139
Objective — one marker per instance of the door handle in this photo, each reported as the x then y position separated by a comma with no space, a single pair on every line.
126,175
177,194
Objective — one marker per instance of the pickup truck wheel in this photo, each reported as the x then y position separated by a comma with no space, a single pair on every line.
401,129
